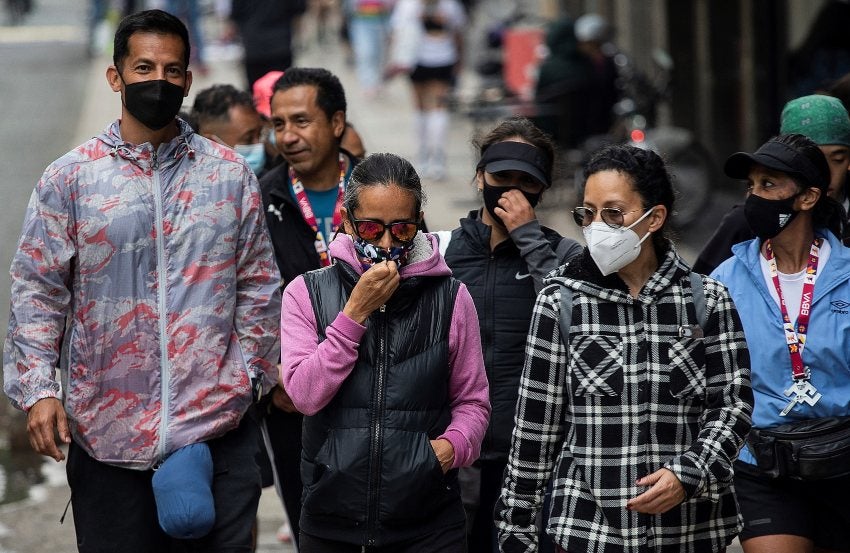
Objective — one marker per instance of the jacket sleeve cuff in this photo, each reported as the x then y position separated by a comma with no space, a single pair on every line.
36,397
349,328
528,236
689,474
461,446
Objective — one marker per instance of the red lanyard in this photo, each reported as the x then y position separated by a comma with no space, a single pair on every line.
796,338
310,216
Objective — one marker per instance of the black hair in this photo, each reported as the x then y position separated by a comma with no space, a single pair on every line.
383,170
330,96
214,103
522,127
149,21
648,174
826,212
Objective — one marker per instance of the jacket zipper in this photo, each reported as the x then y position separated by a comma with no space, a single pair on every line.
165,369
377,432
489,331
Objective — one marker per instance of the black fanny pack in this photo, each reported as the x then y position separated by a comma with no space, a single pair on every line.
808,450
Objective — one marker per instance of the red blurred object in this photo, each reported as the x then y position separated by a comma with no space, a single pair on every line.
637,136
523,49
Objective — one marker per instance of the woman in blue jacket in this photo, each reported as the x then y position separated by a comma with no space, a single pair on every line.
790,283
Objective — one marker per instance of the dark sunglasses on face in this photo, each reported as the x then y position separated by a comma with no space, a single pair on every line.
611,216
373,230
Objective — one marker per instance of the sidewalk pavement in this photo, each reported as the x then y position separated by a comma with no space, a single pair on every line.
386,125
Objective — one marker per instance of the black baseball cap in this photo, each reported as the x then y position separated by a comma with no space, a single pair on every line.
517,156
779,157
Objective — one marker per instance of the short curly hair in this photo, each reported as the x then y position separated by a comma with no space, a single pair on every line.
648,174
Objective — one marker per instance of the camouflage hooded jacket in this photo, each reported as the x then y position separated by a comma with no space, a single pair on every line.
147,276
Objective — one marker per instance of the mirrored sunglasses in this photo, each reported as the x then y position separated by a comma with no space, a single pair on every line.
373,230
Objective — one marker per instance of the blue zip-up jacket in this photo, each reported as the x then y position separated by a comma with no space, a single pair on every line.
827,350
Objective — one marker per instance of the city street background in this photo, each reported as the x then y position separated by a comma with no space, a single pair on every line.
53,97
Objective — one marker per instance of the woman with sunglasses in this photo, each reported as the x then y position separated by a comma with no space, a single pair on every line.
501,252
635,395
382,354
792,282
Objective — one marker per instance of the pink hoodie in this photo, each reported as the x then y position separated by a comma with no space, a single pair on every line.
312,373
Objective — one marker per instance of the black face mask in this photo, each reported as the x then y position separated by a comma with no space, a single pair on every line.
767,218
493,193
154,103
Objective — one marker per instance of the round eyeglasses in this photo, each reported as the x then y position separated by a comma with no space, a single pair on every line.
611,216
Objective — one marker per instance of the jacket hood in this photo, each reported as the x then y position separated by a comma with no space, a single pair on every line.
425,258
143,154
561,38
582,275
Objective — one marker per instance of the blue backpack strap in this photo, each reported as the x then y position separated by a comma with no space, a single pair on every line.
566,316
698,293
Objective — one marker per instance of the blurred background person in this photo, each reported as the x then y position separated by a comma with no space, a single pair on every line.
188,11
266,28
97,12
824,55
562,77
228,116
594,35
502,252
437,51
368,30
577,83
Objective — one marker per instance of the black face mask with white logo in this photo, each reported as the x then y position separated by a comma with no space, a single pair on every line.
154,103
766,217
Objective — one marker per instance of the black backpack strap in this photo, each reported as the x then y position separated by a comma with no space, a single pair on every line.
566,316
698,293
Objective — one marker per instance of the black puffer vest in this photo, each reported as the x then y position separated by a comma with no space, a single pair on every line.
370,474
504,294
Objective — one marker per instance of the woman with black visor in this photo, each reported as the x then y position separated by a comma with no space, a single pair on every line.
501,252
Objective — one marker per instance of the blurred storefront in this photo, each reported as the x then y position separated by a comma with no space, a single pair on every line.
730,56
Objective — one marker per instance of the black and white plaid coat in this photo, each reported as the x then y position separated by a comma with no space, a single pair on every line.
626,398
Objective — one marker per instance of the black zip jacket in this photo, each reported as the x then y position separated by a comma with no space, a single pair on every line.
503,284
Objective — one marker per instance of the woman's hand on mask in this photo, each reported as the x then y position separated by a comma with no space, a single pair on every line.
514,210
374,288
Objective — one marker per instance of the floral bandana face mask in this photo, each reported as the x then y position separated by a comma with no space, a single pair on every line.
370,254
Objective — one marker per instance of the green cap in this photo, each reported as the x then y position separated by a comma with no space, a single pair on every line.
821,118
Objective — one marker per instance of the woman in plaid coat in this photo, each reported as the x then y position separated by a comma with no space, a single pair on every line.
639,416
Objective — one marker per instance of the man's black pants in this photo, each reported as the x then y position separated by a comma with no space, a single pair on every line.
114,508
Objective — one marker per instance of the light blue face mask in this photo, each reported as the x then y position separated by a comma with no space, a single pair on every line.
254,154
